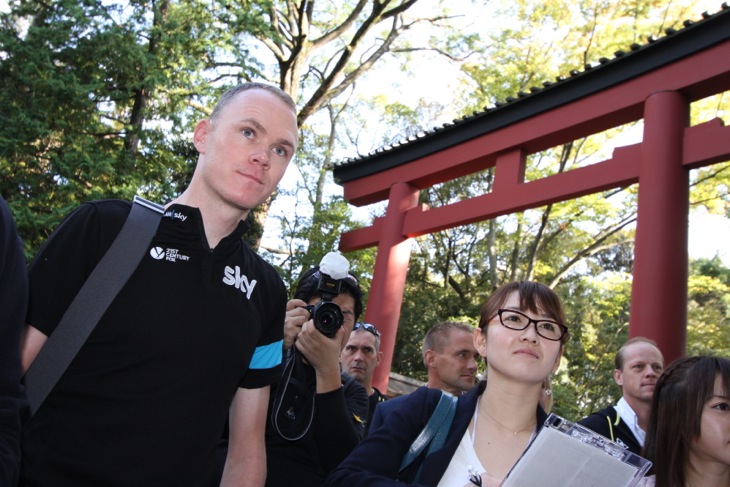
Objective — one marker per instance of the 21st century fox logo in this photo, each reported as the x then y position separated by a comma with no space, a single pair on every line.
172,255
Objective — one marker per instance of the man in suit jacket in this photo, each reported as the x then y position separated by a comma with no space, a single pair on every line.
639,363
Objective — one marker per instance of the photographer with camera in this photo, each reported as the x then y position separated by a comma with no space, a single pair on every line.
317,414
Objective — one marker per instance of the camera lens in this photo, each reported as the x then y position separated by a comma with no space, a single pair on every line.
327,317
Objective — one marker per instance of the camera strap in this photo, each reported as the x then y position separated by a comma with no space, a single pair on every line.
92,300
293,405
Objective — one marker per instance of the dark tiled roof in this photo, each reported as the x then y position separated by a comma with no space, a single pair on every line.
693,37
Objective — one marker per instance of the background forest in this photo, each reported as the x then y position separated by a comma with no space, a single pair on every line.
100,98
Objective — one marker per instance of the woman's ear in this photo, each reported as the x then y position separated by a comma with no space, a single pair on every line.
480,342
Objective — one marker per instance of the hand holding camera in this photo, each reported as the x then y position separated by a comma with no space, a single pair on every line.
296,315
319,350
326,315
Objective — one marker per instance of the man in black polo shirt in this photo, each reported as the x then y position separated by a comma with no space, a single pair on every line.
193,338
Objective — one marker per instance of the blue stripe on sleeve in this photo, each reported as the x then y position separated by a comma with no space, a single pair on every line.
267,356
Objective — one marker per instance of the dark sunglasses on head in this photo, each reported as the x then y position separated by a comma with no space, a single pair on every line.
367,327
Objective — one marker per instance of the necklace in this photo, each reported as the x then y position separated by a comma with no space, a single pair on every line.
531,424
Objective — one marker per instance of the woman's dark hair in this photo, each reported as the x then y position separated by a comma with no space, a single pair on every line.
533,295
308,285
676,414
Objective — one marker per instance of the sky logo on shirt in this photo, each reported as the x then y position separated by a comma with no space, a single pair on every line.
176,215
233,277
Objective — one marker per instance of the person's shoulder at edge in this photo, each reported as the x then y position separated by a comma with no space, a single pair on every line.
106,216
112,206
95,224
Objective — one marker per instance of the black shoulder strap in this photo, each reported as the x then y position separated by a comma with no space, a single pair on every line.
92,300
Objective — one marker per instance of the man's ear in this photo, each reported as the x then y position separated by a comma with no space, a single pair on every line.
378,358
428,357
200,135
618,377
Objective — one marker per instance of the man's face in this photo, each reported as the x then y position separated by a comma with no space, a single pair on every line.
643,364
246,149
455,367
360,357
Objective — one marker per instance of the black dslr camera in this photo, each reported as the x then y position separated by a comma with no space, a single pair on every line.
327,316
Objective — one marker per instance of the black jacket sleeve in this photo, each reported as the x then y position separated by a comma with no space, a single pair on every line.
358,403
338,428
13,304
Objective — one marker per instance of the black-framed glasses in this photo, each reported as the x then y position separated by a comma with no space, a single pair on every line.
515,320
367,327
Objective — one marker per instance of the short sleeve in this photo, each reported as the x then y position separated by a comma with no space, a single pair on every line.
65,261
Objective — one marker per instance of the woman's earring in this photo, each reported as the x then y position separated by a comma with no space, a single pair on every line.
548,392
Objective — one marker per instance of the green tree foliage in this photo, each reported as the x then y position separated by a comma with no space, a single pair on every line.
708,308
314,220
97,101
100,97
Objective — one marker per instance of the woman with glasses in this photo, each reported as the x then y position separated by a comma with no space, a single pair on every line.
521,332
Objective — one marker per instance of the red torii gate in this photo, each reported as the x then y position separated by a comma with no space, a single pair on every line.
656,82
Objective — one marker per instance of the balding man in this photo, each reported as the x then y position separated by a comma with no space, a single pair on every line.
638,365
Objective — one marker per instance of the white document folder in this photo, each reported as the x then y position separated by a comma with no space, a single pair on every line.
565,454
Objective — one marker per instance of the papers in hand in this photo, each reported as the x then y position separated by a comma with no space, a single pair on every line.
568,454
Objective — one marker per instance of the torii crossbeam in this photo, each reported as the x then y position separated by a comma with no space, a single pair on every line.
656,82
